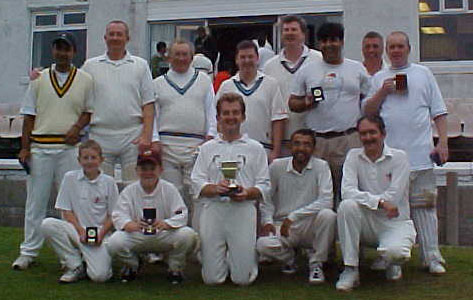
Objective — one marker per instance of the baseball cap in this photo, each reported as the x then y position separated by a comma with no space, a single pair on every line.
65,37
149,156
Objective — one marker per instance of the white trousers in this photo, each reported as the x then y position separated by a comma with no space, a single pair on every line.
178,163
47,166
117,148
177,243
422,197
356,224
65,241
228,241
316,232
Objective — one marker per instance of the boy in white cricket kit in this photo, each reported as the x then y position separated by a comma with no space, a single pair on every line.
163,232
86,200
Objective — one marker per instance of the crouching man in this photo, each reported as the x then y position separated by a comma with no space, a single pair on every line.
299,212
375,206
150,216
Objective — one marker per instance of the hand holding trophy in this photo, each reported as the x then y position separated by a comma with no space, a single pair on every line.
230,170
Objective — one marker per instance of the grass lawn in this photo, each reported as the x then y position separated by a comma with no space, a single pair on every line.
40,282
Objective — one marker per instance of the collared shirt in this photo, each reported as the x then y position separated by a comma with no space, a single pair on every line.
408,116
174,115
342,86
250,156
121,89
284,71
297,195
165,199
91,201
367,182
263,101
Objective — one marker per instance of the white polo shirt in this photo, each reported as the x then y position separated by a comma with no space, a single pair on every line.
408,116
284,71
165,199
91,201
387,178
247,152
121,89
297,195
342,87
263,101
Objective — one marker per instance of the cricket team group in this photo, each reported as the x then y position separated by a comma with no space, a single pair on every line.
277,163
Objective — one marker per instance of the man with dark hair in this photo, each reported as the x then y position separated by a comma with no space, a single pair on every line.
408,98
299,212
330,93
375,206
228,218
285,66
372,49
159,63
122,122
56,106
266,112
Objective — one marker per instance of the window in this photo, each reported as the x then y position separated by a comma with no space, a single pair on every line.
446,30
46,25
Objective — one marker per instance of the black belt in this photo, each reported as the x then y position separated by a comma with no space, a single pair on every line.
182,134
333,134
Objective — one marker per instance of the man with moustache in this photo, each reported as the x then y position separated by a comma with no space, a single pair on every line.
375,206
186,118
266,112
285,66
330,93
302,219
372,49
228,219
408,113
122,122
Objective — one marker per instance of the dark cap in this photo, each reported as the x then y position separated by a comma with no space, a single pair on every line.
65,37
149,156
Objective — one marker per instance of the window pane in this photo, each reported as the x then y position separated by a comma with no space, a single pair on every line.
42,47
313,24
453,4
47,20
74,18
428,5
470,4
446,37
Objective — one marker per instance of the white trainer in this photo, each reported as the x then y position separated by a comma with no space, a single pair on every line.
436,268
73,275
394,272
316,274
349,279
23,262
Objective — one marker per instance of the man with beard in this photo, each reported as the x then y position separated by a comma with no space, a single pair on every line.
375,206
285,66
299,220
56,107
330,93
408,98
372,49
266,112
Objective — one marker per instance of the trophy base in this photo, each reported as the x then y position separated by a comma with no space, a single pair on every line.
149,231
233,190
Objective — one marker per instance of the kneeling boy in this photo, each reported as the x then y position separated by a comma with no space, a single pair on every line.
150,216
86,199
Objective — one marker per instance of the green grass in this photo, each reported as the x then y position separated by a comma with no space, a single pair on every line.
40,282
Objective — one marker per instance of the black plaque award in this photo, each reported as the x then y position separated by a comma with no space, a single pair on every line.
318,94
149,215
91,235
400,82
